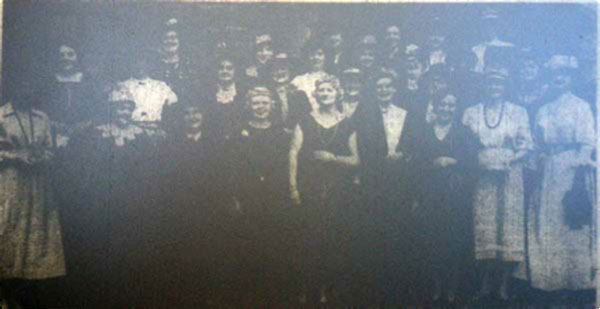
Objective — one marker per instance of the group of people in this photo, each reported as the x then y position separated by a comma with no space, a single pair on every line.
377,174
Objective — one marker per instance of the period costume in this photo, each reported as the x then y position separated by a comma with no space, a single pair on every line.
498,198
561,256
30,230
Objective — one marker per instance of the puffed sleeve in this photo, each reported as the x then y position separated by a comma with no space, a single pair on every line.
468,119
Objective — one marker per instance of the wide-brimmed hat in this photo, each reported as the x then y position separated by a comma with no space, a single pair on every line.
557,62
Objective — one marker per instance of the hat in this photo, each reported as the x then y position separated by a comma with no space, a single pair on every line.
263,39
496,73
385,73
557,62
258,91
351,71
489,14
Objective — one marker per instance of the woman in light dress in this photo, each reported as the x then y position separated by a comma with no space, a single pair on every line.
561,251
502,129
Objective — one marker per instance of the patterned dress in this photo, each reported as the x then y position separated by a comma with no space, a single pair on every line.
498,200
560,257
30,231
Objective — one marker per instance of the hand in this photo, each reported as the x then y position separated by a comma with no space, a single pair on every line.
444,162
295,196
236,207
394,156
324,156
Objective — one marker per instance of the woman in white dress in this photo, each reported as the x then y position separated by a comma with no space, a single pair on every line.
502,129
317,58
560,249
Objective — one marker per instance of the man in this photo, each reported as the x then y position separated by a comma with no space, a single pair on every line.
293,104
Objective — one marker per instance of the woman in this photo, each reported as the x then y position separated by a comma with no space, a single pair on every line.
445,154
502,131
30,230
317,58
103,166
323,157
385,138
258,178
531,89
561,236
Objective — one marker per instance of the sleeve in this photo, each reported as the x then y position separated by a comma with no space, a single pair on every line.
468,119
523,139
170,96
584,130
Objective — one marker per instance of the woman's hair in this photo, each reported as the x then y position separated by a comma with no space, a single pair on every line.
335,83
258,90
311,47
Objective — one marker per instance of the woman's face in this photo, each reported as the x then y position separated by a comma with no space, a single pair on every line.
352,86
561,80
226,71
261,106
317,59
385,89
124,110
326,94
529,71
192,117
264,53
495,88
445,108
367,58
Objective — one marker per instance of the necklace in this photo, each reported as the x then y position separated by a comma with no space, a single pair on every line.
485,118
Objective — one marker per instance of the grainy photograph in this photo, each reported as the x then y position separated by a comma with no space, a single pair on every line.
156,154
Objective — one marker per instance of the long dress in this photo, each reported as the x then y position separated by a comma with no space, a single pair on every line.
498,197
30,230
560,257
446,209
103,179
324,189
259,181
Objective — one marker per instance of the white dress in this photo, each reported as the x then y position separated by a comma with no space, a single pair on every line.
149,95
498,201
559,257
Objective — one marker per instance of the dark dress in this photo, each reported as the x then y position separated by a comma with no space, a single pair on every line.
325,189
258,173
104,225
445,211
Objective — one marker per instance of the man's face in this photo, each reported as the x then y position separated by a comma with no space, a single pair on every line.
226,71
171,41
436,41
264,53
336,40
192,119
281,74
392,36
367,58
352,86
385,90
68,57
